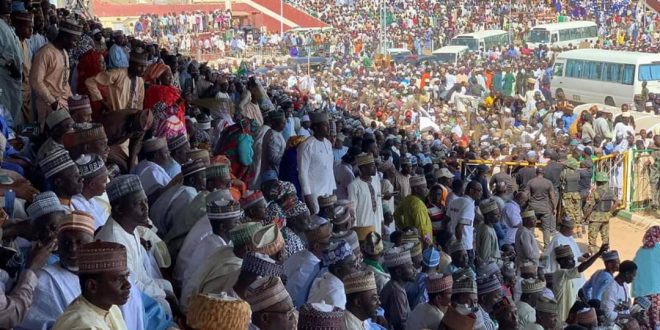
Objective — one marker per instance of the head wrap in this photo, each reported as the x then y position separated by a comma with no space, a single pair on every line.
335,252
610,255
78,221
90,165
320,316
55,162
417,181
563,251
266,292
79,103
261,265
587,316
70,26
326,201
373,244
241,235
532,285
439,282
123,185
154,71
546,305
456,246
251,198
267,240
224,311
363,231
488,284
177,142
359,282
651,237
364,159
154,144
298,209
349,236
102,257
43,204
431,257
396,256
464,285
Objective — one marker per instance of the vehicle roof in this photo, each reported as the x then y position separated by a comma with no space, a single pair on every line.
450,49
397,50
481,34
614,55
556,26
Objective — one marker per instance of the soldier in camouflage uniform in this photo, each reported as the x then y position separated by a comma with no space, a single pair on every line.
603,202
655,172
570,196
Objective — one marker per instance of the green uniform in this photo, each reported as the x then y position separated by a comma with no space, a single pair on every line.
570,197
600,217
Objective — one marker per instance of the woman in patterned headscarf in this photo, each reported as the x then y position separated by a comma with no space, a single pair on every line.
288,167
297,223
165,101
647,282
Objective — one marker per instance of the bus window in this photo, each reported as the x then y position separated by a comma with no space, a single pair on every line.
592,70
558,70
649,72
538,36
628,74
554,38
574,68
611,72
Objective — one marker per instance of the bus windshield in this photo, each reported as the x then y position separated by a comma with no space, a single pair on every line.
649,72
444,57
538,36
471,43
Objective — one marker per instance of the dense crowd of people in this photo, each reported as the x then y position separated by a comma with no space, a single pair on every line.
145,190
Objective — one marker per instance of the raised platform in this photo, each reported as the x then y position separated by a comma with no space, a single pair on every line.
257,12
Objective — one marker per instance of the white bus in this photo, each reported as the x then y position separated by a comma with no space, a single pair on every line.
605,76
485,40
562,34
450,54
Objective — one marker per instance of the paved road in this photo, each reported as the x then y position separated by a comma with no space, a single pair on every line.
624,237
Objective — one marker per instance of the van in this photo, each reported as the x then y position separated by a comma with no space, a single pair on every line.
450,54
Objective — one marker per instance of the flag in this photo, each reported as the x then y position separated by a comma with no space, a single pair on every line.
242,69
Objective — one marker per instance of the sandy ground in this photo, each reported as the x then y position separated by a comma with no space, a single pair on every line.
625,237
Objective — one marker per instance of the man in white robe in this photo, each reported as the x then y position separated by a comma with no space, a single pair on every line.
428,315
315,163
365,193
328,287
95,176
564,237
130,209
616,298
58,284
302,267
221,224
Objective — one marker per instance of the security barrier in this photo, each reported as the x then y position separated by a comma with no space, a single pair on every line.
617,167
643,178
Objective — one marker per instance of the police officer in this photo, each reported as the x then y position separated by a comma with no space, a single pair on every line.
570,192
603,203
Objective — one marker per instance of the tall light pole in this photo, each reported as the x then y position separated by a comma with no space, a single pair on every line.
383,25
281,18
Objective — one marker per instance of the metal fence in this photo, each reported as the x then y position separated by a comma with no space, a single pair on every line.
616,166
642,179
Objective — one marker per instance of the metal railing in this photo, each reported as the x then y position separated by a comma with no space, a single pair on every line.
642,187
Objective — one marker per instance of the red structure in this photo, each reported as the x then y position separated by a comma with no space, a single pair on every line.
250,11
